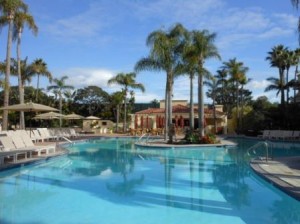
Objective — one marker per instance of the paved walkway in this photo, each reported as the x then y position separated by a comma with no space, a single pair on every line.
284,173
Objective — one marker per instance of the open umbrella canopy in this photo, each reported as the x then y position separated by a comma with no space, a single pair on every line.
28,107
92,118
73,116
49,116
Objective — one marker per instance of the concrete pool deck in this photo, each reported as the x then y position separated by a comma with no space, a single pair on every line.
283,172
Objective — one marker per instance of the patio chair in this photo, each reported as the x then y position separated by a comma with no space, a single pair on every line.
20,143
44,132
9,150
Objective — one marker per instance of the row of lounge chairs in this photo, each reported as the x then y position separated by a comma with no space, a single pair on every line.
45,134
280,135
17,145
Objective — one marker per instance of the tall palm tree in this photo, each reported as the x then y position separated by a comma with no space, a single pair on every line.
237,71
21,19
60,86
165,52
203,49
190,67
40,68
127,80
21,67
8,10
277,59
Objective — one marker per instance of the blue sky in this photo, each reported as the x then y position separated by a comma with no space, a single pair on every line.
92,40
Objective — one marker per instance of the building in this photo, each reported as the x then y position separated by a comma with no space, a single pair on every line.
154,118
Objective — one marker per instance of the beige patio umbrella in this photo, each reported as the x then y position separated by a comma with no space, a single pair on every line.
73,116
29,107
92,118
49,116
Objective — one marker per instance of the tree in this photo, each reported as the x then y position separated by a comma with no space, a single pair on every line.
277,59
237,71
275,84
40,68
93,99
117,98
21,19
8,10
127,80
213,85
190,67
203,49
61,87
165,52
26,71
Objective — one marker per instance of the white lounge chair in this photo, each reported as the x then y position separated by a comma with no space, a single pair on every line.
24,142
9,150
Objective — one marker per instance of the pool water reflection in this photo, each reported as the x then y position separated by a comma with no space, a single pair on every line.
112,181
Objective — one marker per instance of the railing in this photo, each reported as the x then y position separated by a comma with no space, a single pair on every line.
68,140
265,144
144,135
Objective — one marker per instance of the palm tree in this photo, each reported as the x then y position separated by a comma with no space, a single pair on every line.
222,81
8,9
275,84
117,99
277,59
127,81
21,67
297,58
213,85
60,86
190,67
165,52
21,19
203,49
237,71
40,68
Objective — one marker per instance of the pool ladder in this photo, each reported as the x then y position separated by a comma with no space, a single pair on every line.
143,135
266,144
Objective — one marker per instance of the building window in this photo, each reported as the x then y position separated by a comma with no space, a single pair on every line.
104,123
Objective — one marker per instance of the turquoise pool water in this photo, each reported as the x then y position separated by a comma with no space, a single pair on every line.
112,181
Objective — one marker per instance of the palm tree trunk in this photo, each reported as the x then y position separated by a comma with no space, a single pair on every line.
200,104
7,74
37,88
296,72
125,112
170,129
21,92
215,116
281,73
191,104
237,108
118,117
166,112
288,89
60,108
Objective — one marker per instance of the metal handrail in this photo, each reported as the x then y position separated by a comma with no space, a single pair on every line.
140,138
265,143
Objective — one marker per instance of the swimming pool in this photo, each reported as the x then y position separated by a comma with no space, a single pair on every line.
109,180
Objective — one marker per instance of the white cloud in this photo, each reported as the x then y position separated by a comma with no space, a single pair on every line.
82,77
257,85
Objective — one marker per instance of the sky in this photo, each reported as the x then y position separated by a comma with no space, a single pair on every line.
91,41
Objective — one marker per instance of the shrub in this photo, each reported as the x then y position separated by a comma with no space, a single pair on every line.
194,138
